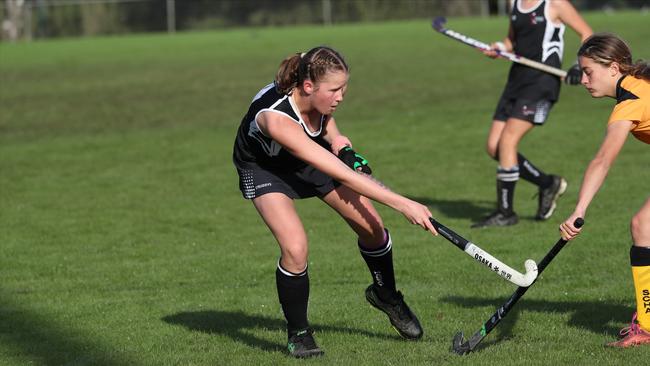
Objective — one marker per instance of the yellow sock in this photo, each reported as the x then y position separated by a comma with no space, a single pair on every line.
641,275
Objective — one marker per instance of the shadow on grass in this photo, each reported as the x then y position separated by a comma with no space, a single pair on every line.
458,209
32,335
239,326
594,316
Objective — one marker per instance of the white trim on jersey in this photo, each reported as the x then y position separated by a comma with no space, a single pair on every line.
550,47
261,92
270,109
254,131
297,112
526,11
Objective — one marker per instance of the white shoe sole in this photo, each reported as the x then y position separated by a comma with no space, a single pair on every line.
563,185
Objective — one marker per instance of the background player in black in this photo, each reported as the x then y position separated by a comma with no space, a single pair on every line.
286,148
536,32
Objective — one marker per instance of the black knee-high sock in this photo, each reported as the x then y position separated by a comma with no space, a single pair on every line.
293,292
506,182
380,264
531,173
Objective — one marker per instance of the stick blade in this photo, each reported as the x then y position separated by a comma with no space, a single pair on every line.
439,23
459,346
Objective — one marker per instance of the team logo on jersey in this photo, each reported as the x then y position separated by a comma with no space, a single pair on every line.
536,19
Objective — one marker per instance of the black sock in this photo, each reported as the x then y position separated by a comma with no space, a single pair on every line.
639,256
293,292
506,182
380,264
531,173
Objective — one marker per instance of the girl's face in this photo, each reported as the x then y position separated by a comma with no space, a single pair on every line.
329,92
599,80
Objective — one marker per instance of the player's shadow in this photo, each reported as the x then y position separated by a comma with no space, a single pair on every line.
459,209
31,333
595,316
240,327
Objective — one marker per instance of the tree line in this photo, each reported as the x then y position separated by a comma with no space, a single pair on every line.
64,18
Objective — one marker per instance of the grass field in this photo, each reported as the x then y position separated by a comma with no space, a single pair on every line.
124,239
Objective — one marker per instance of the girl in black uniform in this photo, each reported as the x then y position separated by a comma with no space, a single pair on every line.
288,147
536,32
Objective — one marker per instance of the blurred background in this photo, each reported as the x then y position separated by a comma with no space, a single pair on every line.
39,19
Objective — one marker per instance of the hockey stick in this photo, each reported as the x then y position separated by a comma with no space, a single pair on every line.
485,258
479,254
462,347
439,25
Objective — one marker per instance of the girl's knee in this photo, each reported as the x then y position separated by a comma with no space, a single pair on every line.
640,228
294,258
374,238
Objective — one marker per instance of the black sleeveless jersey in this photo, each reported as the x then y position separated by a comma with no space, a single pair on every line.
537,38
254,150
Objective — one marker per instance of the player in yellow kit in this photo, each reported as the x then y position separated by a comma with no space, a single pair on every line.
608,71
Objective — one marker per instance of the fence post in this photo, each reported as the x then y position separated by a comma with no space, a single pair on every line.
171,16
327,12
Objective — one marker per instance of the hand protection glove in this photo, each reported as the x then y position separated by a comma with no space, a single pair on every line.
573,75
354,160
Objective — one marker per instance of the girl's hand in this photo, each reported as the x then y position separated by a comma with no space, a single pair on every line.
567,230
338,143
418,214
495,47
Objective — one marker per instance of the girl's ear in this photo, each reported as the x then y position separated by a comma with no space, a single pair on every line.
308,86
614,68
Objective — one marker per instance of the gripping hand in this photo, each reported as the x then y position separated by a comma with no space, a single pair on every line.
573,75
354,160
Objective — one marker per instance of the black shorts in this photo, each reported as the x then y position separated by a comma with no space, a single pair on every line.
533,111
303,183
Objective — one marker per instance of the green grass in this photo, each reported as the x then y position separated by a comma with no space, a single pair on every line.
125,240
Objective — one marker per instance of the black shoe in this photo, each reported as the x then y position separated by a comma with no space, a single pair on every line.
548,197
401,317
497,218
301,344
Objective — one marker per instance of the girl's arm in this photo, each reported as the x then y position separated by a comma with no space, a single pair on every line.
293,139
596,172
567,14
505,45
334,137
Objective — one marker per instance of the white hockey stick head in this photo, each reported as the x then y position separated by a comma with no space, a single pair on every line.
502,269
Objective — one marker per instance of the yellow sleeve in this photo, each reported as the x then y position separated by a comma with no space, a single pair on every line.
628,110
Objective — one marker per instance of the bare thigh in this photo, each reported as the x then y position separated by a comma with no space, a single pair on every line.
359,213
279,213
513,132
640,226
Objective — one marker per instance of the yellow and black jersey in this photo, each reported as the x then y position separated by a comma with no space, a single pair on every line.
633,104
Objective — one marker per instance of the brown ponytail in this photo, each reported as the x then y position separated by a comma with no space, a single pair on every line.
605,48
312,65
641,70
287,76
